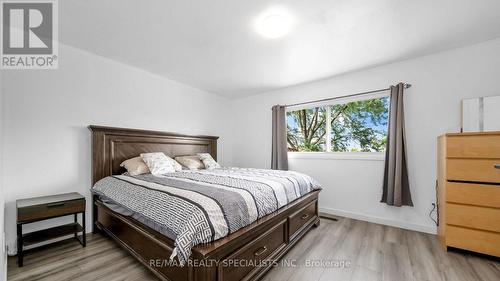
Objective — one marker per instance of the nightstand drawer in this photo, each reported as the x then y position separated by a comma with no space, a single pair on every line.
49,210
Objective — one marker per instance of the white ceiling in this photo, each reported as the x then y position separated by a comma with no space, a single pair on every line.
211,44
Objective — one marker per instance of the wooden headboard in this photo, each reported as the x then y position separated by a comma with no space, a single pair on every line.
111,146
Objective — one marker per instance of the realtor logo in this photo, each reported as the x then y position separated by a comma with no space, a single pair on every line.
29,35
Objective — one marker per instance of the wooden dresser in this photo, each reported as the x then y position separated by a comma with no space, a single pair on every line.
469,191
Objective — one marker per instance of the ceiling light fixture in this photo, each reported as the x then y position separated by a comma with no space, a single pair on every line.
274,23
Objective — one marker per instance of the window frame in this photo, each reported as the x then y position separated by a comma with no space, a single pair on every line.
338,155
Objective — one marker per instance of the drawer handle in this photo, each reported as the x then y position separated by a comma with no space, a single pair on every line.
497,166
55,205
304,216
260,251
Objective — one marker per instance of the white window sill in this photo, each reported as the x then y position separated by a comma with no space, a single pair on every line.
365,156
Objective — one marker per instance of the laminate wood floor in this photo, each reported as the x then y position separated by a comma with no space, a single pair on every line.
348,250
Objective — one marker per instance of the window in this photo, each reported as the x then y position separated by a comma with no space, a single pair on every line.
306,129
355,126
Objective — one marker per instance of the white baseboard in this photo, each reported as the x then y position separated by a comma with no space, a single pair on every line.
3,259
379,220
11,248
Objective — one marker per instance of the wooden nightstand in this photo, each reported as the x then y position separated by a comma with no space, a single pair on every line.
46,207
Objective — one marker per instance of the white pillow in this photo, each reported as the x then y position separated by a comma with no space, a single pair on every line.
208,161
177,165
135,166
158,163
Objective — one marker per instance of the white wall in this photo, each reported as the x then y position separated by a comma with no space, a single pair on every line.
353,187
47,143
3,253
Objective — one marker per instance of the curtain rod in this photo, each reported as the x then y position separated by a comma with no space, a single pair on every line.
405,85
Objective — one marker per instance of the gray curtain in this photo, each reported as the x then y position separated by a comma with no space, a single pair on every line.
279,156
396,187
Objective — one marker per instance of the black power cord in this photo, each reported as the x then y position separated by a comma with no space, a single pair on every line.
430,213
435,207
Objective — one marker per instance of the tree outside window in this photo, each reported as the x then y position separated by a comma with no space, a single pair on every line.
358,126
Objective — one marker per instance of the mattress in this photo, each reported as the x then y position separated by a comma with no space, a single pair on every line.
195,207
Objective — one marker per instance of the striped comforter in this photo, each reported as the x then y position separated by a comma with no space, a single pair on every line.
194,207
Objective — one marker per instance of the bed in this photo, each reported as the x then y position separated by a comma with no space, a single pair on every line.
243,254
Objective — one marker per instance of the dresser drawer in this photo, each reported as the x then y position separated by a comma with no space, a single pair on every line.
50,210
474,146
473,217
485,242
476,170
473,194
255,254
301,218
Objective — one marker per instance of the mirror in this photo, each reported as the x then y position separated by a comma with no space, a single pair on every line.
481,114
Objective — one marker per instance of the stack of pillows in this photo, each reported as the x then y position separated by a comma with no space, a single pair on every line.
157,163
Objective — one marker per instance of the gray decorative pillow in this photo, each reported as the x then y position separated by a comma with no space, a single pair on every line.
158,163
191,162
208,161
135,166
